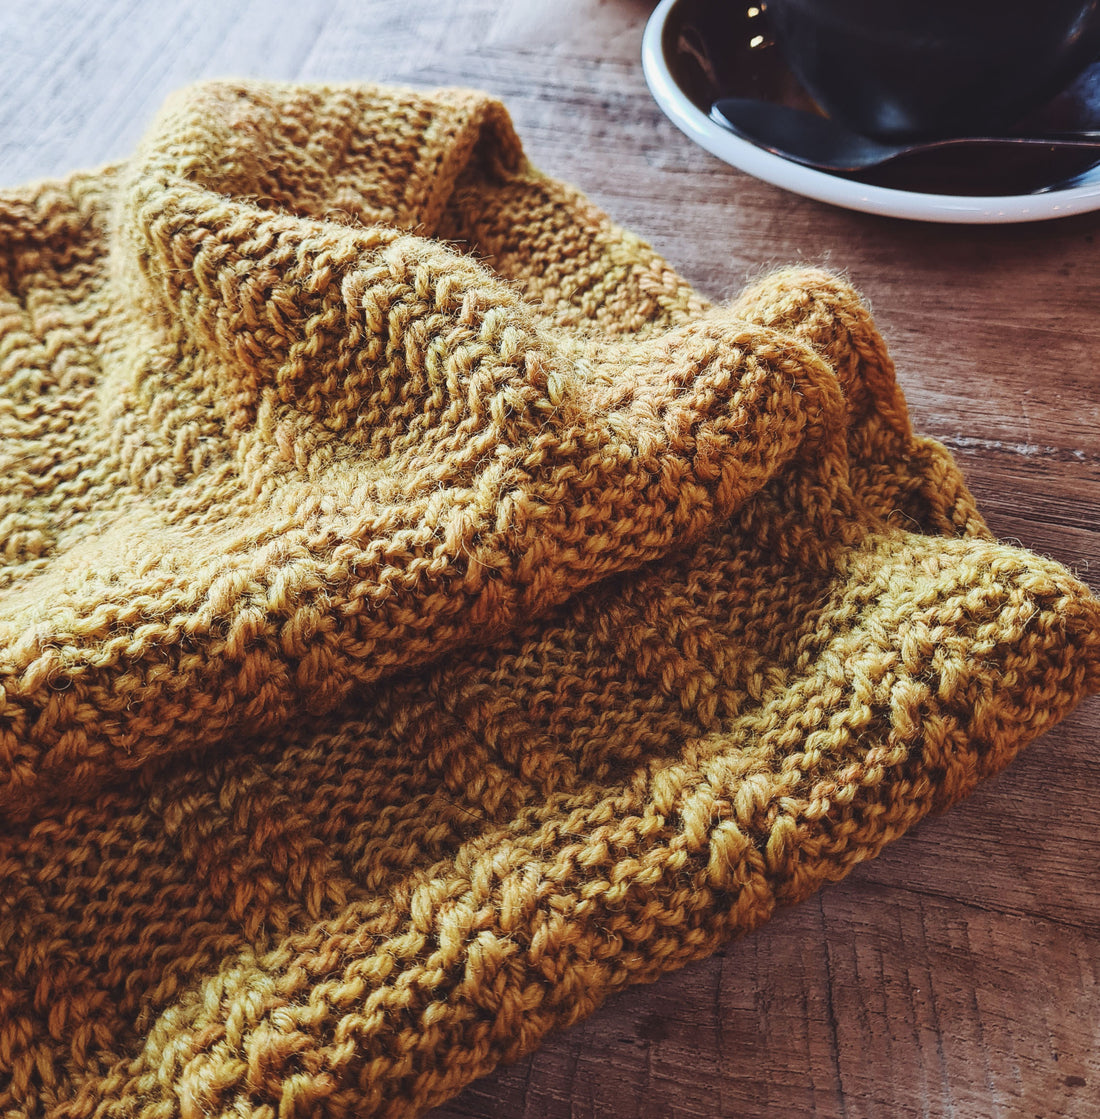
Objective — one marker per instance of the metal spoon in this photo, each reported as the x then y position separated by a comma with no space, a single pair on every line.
816,141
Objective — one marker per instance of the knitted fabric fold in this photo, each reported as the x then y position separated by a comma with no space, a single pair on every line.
306,454
422,614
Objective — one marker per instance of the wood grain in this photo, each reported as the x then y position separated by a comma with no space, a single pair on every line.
958,975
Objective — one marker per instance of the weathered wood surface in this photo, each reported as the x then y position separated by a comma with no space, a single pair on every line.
959,974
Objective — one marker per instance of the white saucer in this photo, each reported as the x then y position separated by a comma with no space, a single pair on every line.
824,187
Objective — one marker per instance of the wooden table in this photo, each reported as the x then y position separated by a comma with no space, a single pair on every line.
957,975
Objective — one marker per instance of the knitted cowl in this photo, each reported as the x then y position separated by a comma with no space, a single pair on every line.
422,614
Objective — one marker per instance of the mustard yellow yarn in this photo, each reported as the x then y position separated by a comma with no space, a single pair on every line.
422,614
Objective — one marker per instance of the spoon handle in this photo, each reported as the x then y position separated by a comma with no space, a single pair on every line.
1088,136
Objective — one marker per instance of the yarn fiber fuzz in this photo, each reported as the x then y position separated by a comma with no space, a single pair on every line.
423,614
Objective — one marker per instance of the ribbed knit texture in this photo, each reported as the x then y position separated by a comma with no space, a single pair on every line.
422,614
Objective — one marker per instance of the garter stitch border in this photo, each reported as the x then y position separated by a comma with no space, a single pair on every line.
422,614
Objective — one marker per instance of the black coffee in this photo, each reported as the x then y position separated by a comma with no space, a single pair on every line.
923,68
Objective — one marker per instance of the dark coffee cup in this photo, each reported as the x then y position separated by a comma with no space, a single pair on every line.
916,69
